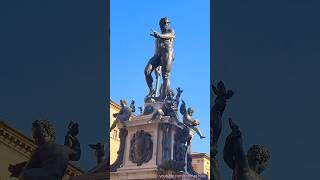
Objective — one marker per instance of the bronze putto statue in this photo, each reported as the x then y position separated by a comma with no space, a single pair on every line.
124,113
222,95
188,120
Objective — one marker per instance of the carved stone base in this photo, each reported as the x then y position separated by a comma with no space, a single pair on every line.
152,174
142,173
156,147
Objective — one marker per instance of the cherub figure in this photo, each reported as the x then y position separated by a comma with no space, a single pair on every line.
132,106
171,103
124,114
70,138
222,96
188,120
245,166
170,108
217,110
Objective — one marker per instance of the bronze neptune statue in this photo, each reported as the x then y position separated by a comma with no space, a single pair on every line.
163,57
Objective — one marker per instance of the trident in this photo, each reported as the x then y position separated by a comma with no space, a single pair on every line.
157,72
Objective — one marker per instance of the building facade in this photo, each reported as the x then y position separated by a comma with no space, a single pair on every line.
114,134
201,163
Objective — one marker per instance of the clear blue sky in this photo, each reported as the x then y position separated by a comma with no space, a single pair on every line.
132,47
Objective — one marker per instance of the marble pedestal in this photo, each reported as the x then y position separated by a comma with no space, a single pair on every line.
162,130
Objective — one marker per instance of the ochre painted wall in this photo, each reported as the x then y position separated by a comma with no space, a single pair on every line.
114,134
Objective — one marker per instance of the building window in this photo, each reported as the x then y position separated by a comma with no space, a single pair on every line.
113,134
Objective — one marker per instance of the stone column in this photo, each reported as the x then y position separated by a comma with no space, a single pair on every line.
166,141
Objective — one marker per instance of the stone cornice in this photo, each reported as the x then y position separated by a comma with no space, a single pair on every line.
16,140
115,105
200,155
